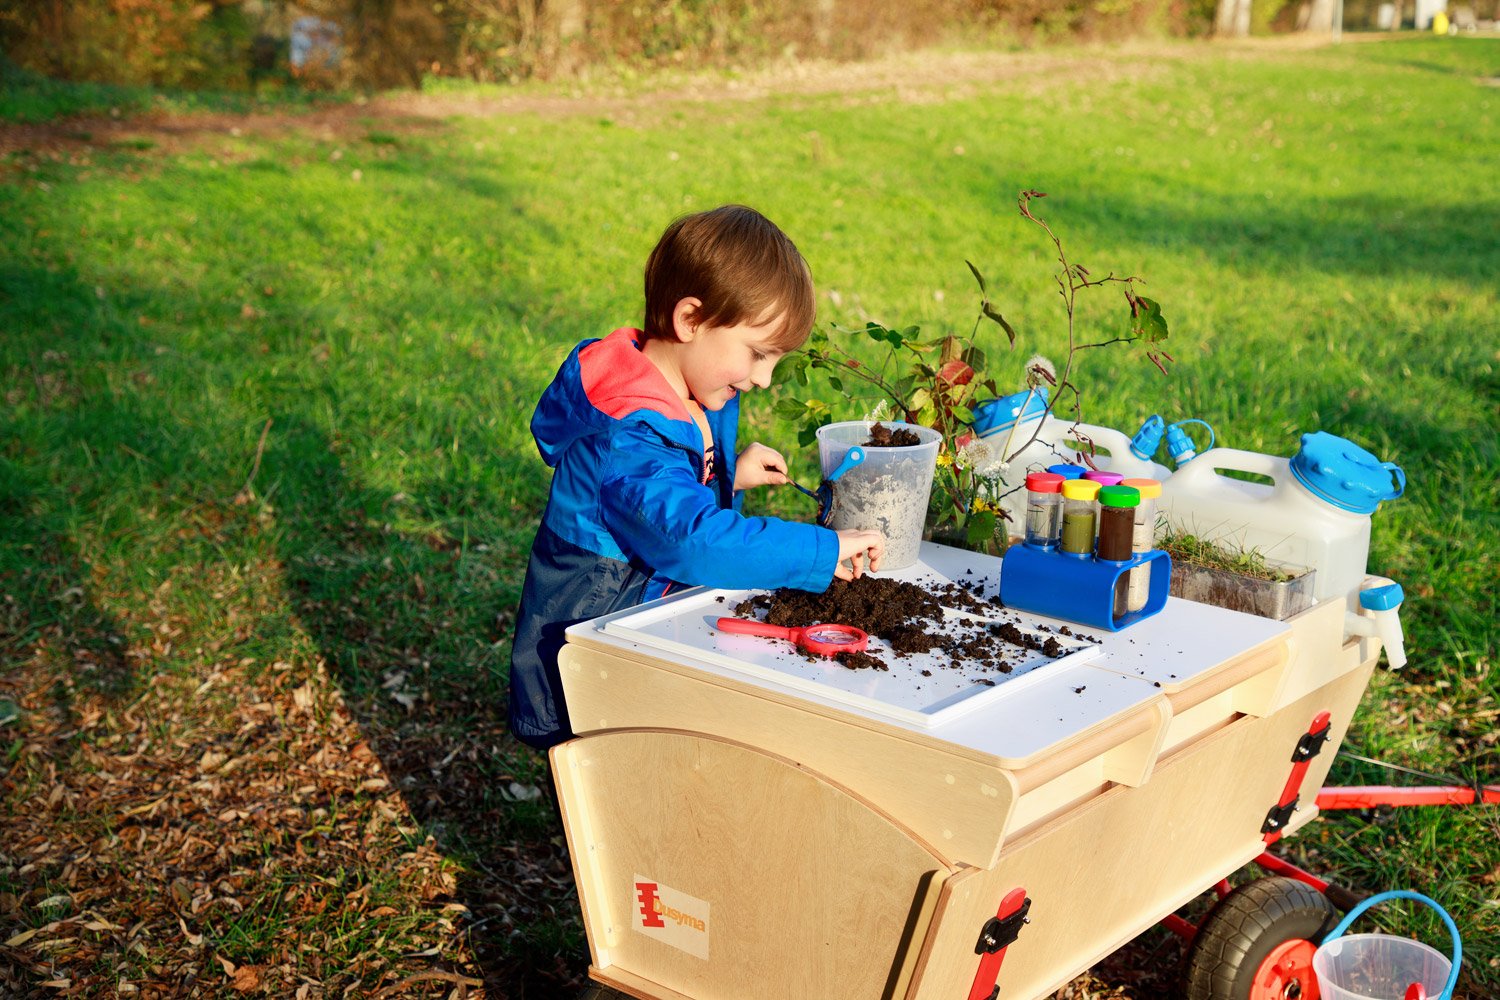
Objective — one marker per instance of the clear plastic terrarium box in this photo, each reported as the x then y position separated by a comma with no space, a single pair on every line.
1226,589
888,491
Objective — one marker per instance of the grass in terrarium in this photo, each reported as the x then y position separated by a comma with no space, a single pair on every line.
1245,562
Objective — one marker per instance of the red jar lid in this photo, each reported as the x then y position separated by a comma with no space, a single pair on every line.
1044,482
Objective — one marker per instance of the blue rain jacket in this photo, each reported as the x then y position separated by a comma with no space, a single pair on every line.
629,517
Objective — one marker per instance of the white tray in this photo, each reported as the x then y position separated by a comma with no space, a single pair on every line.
685,626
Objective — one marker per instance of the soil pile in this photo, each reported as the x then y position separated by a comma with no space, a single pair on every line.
882,436
908,616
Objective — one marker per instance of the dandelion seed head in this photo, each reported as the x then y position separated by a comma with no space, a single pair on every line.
1039,369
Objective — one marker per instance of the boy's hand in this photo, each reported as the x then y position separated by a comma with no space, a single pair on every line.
863,549
759,465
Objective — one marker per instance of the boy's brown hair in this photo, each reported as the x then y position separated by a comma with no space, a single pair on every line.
740,265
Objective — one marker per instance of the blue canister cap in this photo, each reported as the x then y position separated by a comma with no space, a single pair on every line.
999,414
1382,598
1068,471
1148,438
1342,473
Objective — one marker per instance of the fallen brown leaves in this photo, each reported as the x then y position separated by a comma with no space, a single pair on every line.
229,832
181,820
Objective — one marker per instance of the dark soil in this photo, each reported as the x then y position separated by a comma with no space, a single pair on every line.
906,615
882,436
856,660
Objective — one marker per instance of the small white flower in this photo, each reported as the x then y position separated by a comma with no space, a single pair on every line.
938,294
881,411
975,453
1039,369
979,456
835,297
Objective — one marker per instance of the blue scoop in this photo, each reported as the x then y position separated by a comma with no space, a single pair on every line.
824,496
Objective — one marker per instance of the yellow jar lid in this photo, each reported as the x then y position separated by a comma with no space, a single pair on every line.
1149,487
1080,489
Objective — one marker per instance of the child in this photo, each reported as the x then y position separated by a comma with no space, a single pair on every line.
640,429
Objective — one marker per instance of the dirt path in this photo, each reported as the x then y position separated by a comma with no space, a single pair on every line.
914,77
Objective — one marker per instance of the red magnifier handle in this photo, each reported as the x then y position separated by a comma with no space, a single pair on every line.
744,627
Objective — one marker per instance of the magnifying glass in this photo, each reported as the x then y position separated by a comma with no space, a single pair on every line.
825,640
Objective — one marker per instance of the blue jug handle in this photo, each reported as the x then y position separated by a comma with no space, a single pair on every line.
1400,480
1458,946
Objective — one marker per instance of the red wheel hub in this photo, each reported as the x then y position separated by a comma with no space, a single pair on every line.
1287,973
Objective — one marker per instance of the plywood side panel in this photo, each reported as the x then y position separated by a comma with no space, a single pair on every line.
960,806
1322,654
770,880
1318,768
582,831
1103,872
1200,721
1253,668
632,985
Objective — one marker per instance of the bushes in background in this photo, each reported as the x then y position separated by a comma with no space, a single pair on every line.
160,43
235,44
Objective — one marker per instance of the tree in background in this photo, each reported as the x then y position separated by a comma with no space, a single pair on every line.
1232,19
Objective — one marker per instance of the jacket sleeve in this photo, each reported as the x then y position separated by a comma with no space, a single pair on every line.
659,513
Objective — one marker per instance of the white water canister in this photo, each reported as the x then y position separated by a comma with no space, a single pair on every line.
1019,427
1315,513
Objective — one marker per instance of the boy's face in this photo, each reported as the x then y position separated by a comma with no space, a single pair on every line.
717,362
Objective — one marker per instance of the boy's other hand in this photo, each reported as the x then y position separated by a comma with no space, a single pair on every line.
863,549
759,465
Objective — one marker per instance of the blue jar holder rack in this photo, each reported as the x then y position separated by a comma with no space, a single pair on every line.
1078,589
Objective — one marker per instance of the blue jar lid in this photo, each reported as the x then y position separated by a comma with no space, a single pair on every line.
1068,471
1342,473
999,414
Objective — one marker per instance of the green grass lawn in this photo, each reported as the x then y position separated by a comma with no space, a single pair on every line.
29,97
267,488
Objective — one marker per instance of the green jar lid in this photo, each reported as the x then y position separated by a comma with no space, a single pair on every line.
1120,496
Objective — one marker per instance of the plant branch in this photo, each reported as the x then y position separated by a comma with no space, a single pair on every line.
1106,343
247,491
462,982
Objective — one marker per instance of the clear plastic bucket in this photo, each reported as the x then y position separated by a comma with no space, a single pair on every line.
888,491
1384,966
1378,967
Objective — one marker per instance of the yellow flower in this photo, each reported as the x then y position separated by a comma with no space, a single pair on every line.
978,506
944,460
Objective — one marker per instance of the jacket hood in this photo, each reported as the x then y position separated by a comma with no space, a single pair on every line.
602,382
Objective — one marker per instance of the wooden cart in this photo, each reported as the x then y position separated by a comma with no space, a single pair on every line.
736,837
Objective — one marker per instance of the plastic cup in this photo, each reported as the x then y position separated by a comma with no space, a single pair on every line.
1116,527
1043,509
1144,539
888,492
1080,517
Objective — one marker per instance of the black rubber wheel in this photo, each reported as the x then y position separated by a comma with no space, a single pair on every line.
1257,942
